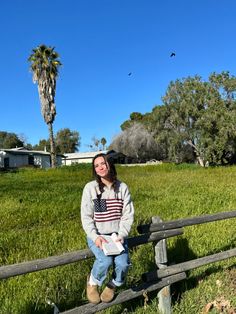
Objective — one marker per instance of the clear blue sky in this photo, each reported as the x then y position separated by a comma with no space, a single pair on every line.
100,42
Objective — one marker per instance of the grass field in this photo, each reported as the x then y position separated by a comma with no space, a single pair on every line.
40,217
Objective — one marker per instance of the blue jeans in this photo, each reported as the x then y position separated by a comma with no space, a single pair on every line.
102,264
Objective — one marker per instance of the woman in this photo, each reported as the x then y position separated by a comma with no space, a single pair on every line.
106,208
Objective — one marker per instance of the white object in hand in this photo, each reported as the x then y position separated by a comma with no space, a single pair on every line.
112,247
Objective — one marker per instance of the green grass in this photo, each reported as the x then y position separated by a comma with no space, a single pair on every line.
40,217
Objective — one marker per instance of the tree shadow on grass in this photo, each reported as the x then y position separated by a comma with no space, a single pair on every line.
182,253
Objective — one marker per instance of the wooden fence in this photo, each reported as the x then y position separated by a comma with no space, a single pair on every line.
159,279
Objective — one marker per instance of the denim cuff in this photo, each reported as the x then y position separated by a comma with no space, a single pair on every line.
116,283
99,283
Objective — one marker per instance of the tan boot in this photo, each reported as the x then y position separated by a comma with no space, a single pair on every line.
108,293
92,294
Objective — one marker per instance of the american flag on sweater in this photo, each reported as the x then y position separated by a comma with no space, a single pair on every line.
107,209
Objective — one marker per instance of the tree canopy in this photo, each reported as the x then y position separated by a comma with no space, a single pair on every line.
10,140
196,122
136,142
42,145
67,141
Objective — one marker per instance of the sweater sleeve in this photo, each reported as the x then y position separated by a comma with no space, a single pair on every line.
87,213
127,214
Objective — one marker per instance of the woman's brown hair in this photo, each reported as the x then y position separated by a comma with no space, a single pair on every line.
112,170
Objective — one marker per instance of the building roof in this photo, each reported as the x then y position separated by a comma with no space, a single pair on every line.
25,151
84,155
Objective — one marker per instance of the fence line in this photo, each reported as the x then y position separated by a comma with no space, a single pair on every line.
164,276
76,256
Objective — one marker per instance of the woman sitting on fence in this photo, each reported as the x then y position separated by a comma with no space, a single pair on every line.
106,208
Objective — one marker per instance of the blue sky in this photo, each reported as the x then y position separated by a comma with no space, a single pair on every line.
100,42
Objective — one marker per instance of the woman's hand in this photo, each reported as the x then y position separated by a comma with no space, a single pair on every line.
99,240
120,239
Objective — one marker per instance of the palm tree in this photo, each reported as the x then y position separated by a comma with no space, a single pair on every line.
103,142
44,66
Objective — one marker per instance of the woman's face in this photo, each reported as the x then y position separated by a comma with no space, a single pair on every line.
101,167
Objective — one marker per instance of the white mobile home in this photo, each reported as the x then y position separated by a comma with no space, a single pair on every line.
21,157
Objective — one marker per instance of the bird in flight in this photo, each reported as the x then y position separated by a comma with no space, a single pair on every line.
129,73
172,54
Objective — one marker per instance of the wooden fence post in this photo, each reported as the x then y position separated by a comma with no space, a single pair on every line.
164,298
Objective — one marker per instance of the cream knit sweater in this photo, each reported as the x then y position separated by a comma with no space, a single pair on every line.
111,211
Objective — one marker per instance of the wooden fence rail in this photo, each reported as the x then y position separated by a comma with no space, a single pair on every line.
179,223
182,267
76,256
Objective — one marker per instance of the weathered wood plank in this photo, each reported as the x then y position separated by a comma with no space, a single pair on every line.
127,295
179,223
164,297
155,236
177,268
72,257
44,263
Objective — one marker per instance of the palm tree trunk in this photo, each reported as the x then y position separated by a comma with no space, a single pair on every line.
52,146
